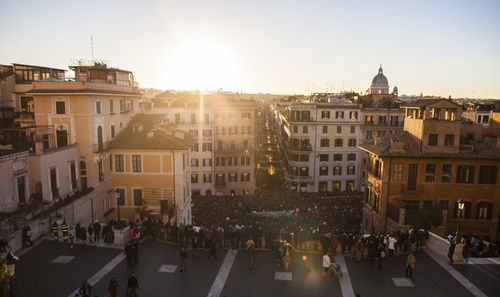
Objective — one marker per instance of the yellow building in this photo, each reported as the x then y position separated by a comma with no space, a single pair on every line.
151,169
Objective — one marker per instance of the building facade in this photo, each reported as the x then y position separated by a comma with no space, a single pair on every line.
319,137
427,168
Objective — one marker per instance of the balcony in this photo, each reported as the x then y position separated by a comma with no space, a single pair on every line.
220,184
101,147
302,148
25,116
417,189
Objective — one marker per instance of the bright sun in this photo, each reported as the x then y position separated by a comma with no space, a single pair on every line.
202,66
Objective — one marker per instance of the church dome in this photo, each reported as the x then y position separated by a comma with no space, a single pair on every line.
380,80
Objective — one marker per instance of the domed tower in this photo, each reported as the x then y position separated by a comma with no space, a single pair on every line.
379,83
395,91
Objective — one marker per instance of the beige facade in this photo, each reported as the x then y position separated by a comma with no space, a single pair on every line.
15,179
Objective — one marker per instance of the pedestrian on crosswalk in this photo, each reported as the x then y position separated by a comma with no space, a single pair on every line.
410,264
250,246
71,234
113,287
132,285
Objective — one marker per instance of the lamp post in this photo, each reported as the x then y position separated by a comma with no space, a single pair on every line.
461,206
117,192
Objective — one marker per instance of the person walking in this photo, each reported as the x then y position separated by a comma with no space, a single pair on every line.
113,287
212,247
359,247
135,251
129,253
55,231
90,230
71,234
392,245
410,264
97,231
250,246
183,255
85,289
451,251
132,285
466,252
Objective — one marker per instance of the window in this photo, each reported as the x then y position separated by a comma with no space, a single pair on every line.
349,185
233,145
195,147
246,130
339,114
322,187
194,178
219,115
351,157
245,115
220,161
465,174
353,115
208,162
352,142
339,129
430,173
233,130
337,170
335,187
62,138
304,158
60,107
207,178
398,172
449,140
484,210
323,157
323,170
98,106
118,163
446,173
325,114
245,176
304,171
53,183
245,144
369,135
295,129
433,139
136,163
325,142
193,118
382,120
233,161
394,121
122,105
353,129
337,157
220,179
305,129
112,131
194,132
294,171
325,129
207,132
111,105
233,177
339,142
121,197
245,160
368,120
137,197
488,175
220,130
207,147
294,157
194,162
72,170
351,170
177,118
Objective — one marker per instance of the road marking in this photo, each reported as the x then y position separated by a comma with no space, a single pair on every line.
167,268
221,278
402,282
62,259
101,273
457,275
345,279
287,276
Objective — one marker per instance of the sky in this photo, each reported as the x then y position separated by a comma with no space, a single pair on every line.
435,47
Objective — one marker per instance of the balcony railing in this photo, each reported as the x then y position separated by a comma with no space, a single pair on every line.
25,116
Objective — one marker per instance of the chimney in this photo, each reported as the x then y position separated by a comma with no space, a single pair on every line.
150,134
137,127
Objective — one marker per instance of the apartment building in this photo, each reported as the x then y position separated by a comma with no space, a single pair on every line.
151,169
437,161
75,121
224,125
319,136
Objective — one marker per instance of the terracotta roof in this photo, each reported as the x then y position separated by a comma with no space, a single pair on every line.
411,149
161,136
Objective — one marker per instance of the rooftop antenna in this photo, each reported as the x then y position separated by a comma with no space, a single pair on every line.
92,46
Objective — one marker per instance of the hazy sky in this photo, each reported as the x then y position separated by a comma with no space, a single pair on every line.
434,47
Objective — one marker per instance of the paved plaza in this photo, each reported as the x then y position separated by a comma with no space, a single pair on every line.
56,270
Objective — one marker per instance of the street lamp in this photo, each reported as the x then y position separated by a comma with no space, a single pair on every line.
117,192
461,206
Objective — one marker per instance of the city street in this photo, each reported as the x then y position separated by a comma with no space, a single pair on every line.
158,274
